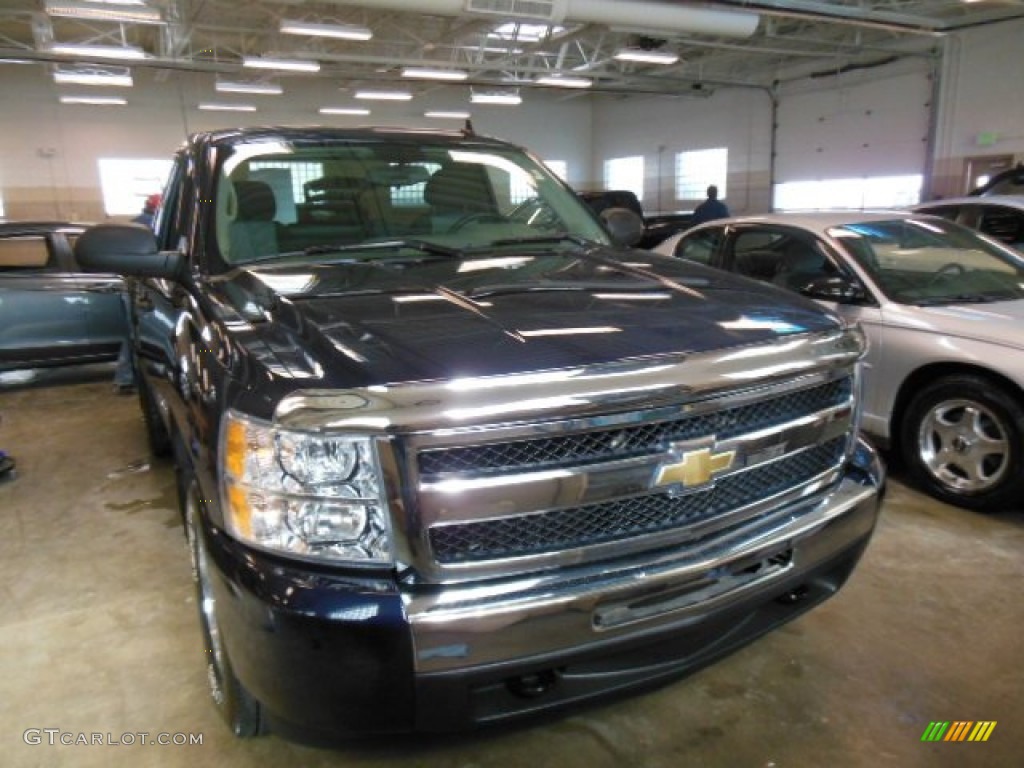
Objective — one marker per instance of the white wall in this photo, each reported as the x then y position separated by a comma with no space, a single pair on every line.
982,93
984,90
658,127
863,123
49,151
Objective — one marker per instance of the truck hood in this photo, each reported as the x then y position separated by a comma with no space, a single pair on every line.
359,324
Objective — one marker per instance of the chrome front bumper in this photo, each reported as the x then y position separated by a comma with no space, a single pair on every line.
460,627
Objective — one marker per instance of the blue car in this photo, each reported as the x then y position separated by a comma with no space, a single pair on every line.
52,312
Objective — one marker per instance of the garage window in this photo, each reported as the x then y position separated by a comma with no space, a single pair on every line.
696,170
299,173
411,195
625,173
848,194
127,182
558,167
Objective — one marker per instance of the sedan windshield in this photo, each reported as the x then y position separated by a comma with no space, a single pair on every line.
932,261
304,201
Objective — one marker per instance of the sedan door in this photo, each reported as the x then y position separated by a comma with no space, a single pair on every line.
793,258
101,296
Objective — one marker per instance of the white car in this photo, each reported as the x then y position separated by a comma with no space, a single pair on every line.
943,309
998,216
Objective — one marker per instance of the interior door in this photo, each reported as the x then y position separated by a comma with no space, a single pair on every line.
978,170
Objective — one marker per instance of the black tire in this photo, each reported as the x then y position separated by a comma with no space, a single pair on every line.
962,441
156,433
239,709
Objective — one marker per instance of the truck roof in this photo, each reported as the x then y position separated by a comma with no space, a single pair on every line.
321,133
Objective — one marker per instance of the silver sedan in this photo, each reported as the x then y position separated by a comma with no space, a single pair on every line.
943,309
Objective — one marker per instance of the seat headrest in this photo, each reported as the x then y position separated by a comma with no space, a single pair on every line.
255,201
460,187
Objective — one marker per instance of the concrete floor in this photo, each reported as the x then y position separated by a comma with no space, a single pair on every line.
99,633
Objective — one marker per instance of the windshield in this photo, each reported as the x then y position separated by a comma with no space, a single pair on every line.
932,261
302,201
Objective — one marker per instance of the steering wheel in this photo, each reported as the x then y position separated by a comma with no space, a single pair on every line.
950,268
475,218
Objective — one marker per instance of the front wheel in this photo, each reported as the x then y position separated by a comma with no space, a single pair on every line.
961,440
240,710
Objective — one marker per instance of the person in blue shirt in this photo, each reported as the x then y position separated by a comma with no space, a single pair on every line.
710,209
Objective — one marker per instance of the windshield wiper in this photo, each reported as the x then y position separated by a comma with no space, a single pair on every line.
424,246
963,298
414,244
557,237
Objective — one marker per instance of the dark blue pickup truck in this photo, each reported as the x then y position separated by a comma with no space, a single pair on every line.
449,455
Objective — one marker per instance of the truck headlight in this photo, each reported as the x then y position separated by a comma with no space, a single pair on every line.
303,493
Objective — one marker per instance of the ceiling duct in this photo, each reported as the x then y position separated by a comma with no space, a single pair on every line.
667,18
541,10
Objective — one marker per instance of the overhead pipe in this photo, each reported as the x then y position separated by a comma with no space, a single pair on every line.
640,15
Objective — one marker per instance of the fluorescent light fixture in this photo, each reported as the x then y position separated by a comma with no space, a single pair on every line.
337,31
441,115
647,57
524,33
138,13
97,51
560,81
265,89
210,106
290,65
122,79
425,73
484,97
104,101
355,111
384,95
489,49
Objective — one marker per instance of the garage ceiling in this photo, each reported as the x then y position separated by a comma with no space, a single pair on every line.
500,43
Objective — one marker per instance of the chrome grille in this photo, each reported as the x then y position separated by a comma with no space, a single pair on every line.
597,523
626,442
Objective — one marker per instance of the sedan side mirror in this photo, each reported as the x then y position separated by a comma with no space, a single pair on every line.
126,249
837,288
625,227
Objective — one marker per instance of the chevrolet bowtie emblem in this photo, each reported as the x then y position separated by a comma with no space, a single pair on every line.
694,468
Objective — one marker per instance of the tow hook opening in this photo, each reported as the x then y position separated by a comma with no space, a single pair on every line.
533,685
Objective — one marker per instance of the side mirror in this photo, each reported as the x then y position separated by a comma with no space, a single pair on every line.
625,227
837,288
126,249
